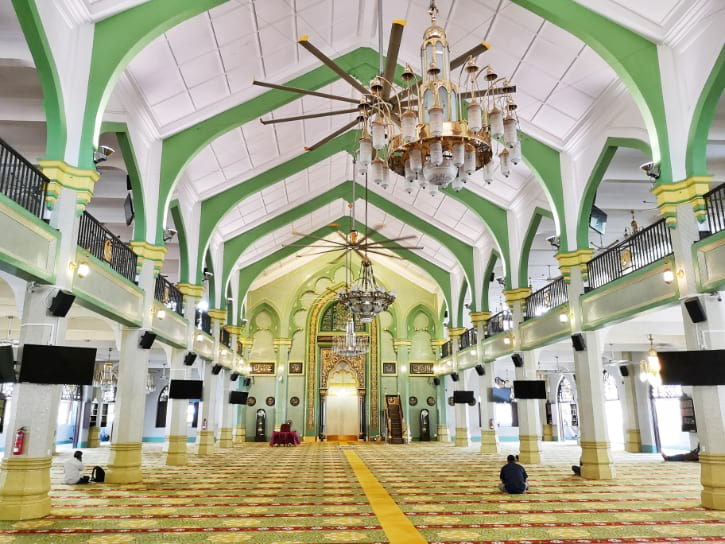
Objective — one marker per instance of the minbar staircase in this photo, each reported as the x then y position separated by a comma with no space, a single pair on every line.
396,425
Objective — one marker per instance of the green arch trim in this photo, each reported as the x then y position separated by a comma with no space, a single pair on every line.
116,41
413,313
461,299
536,216
485,303
249,274
632,57
211,287
183,241
595,179
42,53
265,306
702,118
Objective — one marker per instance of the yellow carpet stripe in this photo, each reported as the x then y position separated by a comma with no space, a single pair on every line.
394,522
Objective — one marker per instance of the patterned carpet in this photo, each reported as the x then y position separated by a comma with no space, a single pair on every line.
254,493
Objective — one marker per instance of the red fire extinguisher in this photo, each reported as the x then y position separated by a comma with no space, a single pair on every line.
19,445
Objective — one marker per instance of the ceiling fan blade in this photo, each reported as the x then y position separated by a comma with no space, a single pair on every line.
493,92
391,58
473,52
318,252
307,116
331,136
397,239
304,91
389,255
327,61
338,258
317,238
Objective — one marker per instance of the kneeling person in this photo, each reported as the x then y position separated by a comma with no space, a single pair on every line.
513,477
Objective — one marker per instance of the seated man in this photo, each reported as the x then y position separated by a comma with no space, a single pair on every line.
513,477
73,468
693,455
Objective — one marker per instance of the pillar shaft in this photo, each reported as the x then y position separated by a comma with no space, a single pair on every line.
176,420
529,418
402,352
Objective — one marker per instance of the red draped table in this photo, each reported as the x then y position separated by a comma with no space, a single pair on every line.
284,438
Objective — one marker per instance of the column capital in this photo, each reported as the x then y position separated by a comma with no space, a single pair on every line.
144,250
279,343
233,329
245,341
64,176
438,342
515,295
670,195
572,259
218,314
455,332
479,317
190,290
401,343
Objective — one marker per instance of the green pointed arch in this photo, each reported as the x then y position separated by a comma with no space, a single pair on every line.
461,301
183,241
703,117
410,319
634,59
269,308
211,287
595,179
485,303
53,106
536,216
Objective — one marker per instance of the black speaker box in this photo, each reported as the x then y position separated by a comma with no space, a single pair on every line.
128,182
216,369
480,370
695,309
436,381
247,382
624,371
147,340
189,358
454,376
61,303
517,359
492,277
233,377
577,340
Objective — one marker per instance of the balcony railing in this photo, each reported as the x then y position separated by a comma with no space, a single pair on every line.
446,349
203,321
637,251
715,204
468,339
548,297
499,322
225,338
106,246
168,295
20,181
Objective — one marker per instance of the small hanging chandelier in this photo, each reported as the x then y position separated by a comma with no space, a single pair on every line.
106,376
350,344
649,368
365,298
150,382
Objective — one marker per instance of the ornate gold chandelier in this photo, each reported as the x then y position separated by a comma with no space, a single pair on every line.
350,344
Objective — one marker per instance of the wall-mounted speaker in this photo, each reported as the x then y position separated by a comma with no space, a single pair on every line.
517,359
492,277
436,381
445,314
189,358
624,371
454,376
577,340
147,340
61,303
480,370
247,382
695,309
128,182
233,377
216,369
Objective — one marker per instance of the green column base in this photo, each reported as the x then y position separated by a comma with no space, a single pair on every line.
489,441
634,441
240,435
124,466
529,449
225,437
24,487
177,454
712,477
462,437
597,461
94,440
206,443
443,435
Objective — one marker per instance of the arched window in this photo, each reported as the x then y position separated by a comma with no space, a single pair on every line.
610,387
161,406
565,392
335,318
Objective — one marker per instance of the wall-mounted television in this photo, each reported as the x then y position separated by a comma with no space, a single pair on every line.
705,367
128,209
598,220
499,394
7,363
186,389
238,397
464,397
57,364
529,389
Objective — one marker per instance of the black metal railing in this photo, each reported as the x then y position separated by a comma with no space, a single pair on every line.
468,339
203,321
499,322
550,296
225,338
168,295
20,181
106,246
715,205
446,349
637,251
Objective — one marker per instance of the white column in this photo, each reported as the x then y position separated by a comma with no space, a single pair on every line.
528,410
209,425
225,433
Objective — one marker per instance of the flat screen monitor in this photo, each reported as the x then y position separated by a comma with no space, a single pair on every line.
7,362
598,220
692,367
128,209
529,389
57,364
464,397
238,397
185,389
499,394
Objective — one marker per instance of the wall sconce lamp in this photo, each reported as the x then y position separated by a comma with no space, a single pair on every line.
508,339
563,317
199,337
668,276
82,269
161,314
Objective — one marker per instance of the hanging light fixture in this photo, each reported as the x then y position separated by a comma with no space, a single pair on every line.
649,368
365,298
106,376
150,382
350,344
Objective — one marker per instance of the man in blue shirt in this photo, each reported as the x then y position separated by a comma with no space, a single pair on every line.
513,477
